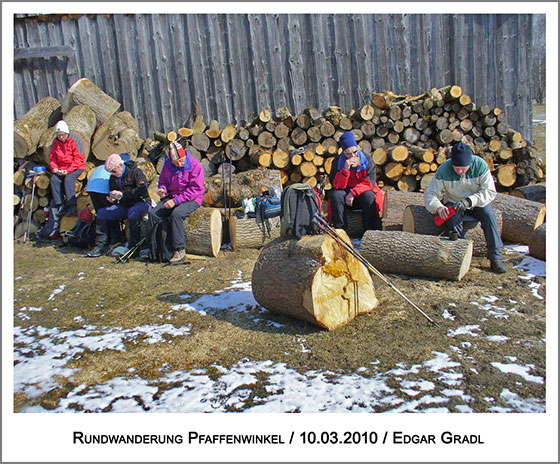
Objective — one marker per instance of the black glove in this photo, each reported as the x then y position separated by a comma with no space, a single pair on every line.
462,205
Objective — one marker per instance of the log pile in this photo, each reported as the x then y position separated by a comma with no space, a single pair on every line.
407,136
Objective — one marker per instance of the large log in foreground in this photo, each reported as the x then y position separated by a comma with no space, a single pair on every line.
417,255
521,217
313,279
203,232
417,220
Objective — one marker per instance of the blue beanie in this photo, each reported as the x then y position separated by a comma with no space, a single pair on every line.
461,155
347,140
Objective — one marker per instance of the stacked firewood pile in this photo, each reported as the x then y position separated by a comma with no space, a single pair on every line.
407,136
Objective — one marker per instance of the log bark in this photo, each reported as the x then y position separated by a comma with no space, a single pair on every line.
395,203
313,279
537,247
535,192
252,232
203,232
521,217
85,92
417,255
118,134
417,220
28,129
248,184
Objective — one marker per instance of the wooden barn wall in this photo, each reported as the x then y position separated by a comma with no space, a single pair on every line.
232,66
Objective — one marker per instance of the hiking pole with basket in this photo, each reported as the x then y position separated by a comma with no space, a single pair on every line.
34,173
332,232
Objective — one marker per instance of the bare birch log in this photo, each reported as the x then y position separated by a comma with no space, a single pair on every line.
417,255
313,279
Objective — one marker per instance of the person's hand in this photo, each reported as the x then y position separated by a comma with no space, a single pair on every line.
110,199
443,212
62,172
463,204
349,199
116,194
169,204
161,192
351,162
56,171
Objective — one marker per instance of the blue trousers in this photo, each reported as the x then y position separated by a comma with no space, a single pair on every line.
489,225
134,214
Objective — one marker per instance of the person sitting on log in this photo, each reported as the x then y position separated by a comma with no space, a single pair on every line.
353,186
98,185
465,182
128,198
181,189
66,163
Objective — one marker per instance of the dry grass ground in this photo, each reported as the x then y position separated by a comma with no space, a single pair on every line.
100,293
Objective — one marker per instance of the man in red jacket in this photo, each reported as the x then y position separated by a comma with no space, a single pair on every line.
353,186
66,163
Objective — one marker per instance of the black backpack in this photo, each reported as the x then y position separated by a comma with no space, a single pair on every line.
299,204
50,231
161,248
82,235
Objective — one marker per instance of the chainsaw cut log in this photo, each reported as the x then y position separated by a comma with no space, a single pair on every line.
417,220
521,217
252,232
313,279
28,129
203,232
417,255
537,247
395,203
85,92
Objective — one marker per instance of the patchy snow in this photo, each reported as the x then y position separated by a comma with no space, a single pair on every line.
438,385
523,371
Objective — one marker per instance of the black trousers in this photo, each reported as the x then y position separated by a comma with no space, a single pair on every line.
176,216
365,202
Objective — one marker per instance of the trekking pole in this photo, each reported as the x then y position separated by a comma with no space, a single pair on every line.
126,256
332,232
20,212
34,175
229,202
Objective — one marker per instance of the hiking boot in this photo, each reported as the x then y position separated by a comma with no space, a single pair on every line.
178,257
453,236
97,252
498,266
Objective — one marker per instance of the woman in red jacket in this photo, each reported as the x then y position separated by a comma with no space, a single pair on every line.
353,186
66,163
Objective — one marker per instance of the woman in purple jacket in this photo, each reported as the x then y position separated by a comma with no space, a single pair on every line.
181,188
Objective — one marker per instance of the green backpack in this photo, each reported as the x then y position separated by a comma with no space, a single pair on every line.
299,204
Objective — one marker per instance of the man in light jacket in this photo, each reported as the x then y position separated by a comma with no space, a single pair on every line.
181,188
465,182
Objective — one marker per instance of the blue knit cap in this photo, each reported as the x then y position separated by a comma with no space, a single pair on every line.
347,140
461,155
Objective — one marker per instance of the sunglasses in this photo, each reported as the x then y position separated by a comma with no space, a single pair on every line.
351,152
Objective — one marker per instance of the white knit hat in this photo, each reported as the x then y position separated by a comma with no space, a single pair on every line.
61,126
